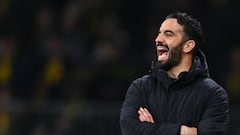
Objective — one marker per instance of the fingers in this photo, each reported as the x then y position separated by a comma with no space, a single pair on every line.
145,115
185,130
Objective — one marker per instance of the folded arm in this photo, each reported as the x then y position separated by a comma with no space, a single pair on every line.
145,116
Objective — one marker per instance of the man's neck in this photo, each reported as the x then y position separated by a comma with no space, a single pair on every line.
184,66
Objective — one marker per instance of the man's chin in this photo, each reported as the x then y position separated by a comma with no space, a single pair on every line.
165,65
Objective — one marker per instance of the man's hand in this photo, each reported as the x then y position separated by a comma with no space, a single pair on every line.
144,115
185,130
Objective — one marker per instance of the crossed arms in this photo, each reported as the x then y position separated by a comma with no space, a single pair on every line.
211,124
145,116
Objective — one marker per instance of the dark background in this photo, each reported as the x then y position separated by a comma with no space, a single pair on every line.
65,65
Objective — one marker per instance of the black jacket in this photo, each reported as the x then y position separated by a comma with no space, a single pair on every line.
194,99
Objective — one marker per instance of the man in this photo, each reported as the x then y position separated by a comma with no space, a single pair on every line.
178,97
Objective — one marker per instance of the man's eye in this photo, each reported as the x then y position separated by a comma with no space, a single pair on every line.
169,34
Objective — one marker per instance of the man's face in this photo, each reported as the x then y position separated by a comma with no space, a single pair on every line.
169,44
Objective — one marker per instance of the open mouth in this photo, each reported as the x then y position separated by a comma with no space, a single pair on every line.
162,53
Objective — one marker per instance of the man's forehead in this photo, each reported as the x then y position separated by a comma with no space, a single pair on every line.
171,24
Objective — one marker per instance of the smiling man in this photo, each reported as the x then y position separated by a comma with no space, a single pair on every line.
178,97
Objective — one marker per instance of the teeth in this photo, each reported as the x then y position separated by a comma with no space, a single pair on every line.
162,49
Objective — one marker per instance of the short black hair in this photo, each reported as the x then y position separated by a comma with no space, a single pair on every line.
191,27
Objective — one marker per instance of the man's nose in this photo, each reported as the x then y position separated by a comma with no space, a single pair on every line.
159,38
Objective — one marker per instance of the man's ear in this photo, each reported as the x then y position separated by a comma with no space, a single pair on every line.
188,46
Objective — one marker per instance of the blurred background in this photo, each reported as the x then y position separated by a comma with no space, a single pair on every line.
65,65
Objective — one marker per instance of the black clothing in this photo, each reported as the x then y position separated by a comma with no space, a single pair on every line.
193,99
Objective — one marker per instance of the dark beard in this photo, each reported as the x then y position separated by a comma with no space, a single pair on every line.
175,57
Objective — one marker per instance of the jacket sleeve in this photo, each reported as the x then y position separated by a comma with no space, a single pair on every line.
129,122
216,115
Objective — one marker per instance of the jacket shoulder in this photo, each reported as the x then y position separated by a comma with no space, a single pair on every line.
210,83
144,79
145,82
213,87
